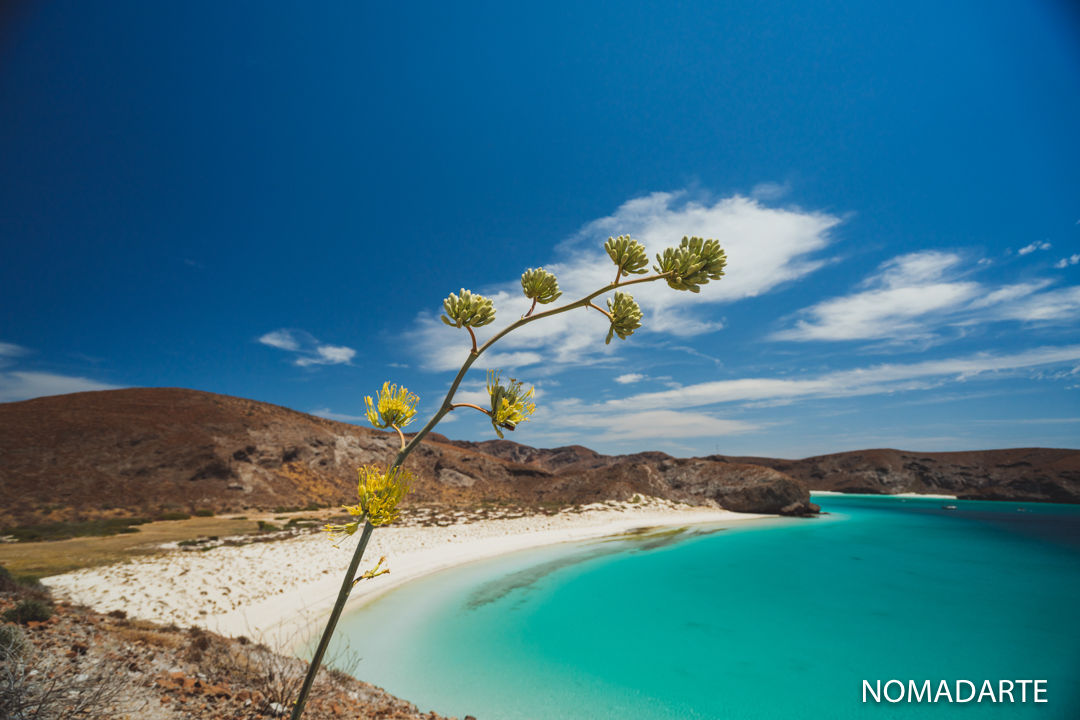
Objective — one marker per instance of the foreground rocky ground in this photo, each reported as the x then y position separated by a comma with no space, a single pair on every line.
79,663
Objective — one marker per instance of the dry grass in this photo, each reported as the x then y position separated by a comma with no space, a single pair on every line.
52,558
149,637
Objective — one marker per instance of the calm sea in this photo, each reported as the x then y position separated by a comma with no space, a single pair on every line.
768,619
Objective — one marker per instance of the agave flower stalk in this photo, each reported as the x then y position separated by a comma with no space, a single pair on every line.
693,263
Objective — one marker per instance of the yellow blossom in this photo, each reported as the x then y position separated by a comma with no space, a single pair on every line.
394,408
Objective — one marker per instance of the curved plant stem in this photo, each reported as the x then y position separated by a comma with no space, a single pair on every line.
400,435
343,595
447,406
597,307
470,405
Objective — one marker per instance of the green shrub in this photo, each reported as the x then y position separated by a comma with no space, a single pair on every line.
267,527
204,513
28,611
13,643
173,516
65,530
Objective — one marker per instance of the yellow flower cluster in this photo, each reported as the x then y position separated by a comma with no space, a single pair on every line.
509,405
379,494
395,407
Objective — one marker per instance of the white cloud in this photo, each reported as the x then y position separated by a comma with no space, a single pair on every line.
328,355
310,350
12,350
648,424
326,413
281,339
914,295
1066,262
630,378
1052,306
1034,246
906,289
766,247
27,385
861,381
770,191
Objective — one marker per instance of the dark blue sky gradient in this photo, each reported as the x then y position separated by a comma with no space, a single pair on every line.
177,179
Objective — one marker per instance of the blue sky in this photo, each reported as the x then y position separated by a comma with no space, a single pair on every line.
271,201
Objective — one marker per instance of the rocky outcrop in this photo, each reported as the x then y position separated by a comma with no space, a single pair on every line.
1021,474
736,486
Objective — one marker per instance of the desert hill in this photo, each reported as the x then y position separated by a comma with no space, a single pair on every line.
1019,474
143,451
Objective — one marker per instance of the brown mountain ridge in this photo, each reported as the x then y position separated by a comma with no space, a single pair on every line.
144,450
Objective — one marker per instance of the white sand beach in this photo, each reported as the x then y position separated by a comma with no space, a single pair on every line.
278,592
930,496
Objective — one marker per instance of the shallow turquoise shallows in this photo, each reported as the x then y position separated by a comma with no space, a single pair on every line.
766,619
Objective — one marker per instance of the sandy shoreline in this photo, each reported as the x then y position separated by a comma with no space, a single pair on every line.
928,496
280,592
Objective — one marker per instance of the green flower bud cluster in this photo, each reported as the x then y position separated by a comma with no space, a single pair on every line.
629,255
509,405
395,407
625,316
468,311
540,285
695,262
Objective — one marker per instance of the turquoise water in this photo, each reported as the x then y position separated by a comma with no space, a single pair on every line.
768,619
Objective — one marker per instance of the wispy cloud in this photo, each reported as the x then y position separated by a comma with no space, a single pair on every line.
770,246
12,350
629,378
18,385
648,424
329,415
872,380
911,297
1066,262
1035,246
309,350
28,385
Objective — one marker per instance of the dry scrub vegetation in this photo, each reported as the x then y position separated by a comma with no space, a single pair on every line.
80,664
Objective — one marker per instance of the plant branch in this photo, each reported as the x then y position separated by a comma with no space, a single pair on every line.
596,307
526,314
455,406
400,435
447,406
343,595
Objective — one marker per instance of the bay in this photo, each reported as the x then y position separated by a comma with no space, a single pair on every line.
779,618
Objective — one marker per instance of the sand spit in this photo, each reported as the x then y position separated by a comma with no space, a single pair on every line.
929,496
277,592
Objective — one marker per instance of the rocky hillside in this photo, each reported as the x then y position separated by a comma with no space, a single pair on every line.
147,450
1022,474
